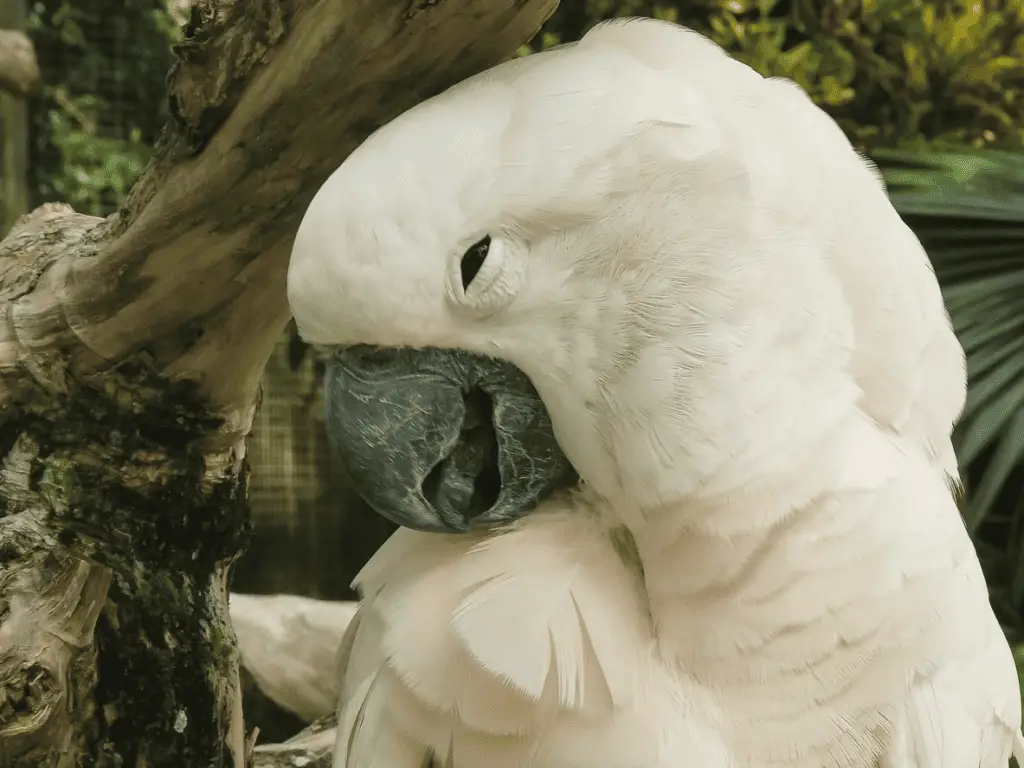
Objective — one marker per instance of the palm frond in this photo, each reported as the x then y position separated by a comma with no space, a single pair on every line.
967,208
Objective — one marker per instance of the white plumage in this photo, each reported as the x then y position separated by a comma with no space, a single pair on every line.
746,357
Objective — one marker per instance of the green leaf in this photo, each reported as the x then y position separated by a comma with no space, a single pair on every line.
980,363
967,208
975,338
1008,455
984,388
975,289
986,425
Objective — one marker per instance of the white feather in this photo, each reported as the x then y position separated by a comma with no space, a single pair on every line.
746,357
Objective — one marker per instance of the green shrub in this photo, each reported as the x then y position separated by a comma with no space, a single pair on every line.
103,103
891,72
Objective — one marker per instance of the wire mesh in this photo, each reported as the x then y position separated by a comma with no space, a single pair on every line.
103,103
104,63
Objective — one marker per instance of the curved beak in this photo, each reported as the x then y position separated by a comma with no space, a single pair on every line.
441,440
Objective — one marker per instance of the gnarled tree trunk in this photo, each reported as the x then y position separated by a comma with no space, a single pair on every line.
131,350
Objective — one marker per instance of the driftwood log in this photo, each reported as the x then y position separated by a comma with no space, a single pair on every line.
131,350
289,644
312,748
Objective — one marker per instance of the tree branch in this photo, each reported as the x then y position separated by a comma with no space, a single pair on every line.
131,351
269,97
19,70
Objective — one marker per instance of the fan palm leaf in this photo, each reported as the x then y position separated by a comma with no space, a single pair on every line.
967,208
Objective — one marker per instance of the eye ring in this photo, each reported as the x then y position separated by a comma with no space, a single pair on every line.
486,275
473,260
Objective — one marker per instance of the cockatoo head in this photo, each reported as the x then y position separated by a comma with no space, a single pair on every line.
581,217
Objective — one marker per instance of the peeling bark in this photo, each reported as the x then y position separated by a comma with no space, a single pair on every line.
131,350
19,70
46,650
108,468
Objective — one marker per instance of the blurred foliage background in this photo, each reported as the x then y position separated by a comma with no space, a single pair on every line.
104,65
932,90
891,72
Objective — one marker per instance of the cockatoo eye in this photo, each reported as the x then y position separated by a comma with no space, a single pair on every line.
487,275
473,259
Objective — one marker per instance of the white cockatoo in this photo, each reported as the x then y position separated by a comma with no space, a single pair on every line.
744,355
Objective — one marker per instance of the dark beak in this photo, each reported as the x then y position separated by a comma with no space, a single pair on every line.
441,440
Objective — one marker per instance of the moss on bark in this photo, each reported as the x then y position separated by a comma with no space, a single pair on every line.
120,473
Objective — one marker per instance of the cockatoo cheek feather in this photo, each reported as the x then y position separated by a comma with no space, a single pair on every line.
372,256
675,358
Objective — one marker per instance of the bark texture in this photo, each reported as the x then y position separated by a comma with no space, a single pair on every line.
19,71
131,350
